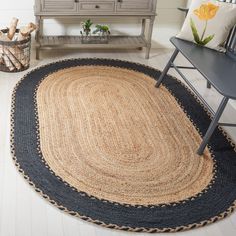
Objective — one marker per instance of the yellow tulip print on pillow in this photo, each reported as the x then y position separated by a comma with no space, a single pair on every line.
206,12
208,23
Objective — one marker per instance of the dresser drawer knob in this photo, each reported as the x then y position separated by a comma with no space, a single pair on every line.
97,6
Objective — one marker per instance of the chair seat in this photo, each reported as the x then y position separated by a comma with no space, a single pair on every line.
218,68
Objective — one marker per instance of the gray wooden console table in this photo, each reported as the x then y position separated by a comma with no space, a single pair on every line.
89,9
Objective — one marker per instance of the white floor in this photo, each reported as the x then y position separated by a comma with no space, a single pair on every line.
24,213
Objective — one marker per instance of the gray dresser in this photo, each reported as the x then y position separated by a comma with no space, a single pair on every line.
144,10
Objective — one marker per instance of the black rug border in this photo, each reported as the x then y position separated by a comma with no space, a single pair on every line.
170,84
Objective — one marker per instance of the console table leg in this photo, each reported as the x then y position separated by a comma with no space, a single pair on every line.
37,53
39,33
149,37
37,20
212,126
148,49
143,27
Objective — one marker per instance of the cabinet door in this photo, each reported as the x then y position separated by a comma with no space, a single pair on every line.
62,6
134,5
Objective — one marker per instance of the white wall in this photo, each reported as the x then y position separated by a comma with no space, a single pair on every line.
167,23
188,2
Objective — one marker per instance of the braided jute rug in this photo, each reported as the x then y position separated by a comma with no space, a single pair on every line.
99,141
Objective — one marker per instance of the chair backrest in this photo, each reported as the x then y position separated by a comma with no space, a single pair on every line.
230,43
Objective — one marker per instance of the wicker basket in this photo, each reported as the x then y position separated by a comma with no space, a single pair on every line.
17,54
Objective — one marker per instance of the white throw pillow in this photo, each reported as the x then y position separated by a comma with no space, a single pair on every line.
208,23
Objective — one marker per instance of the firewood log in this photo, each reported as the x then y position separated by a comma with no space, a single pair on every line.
16,51
12,28
12,58
6,60
1,56
8,63
1,51
26,31
19,55
3,37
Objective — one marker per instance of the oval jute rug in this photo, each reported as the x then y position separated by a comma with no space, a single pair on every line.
99,141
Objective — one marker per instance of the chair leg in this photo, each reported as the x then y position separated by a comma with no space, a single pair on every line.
212,126
165,71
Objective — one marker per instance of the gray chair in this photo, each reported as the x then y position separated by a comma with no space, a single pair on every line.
219,70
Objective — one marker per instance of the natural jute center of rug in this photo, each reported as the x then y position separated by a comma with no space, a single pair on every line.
110,133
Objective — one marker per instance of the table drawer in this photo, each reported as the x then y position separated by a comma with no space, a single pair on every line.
64,6
134,5
96,7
